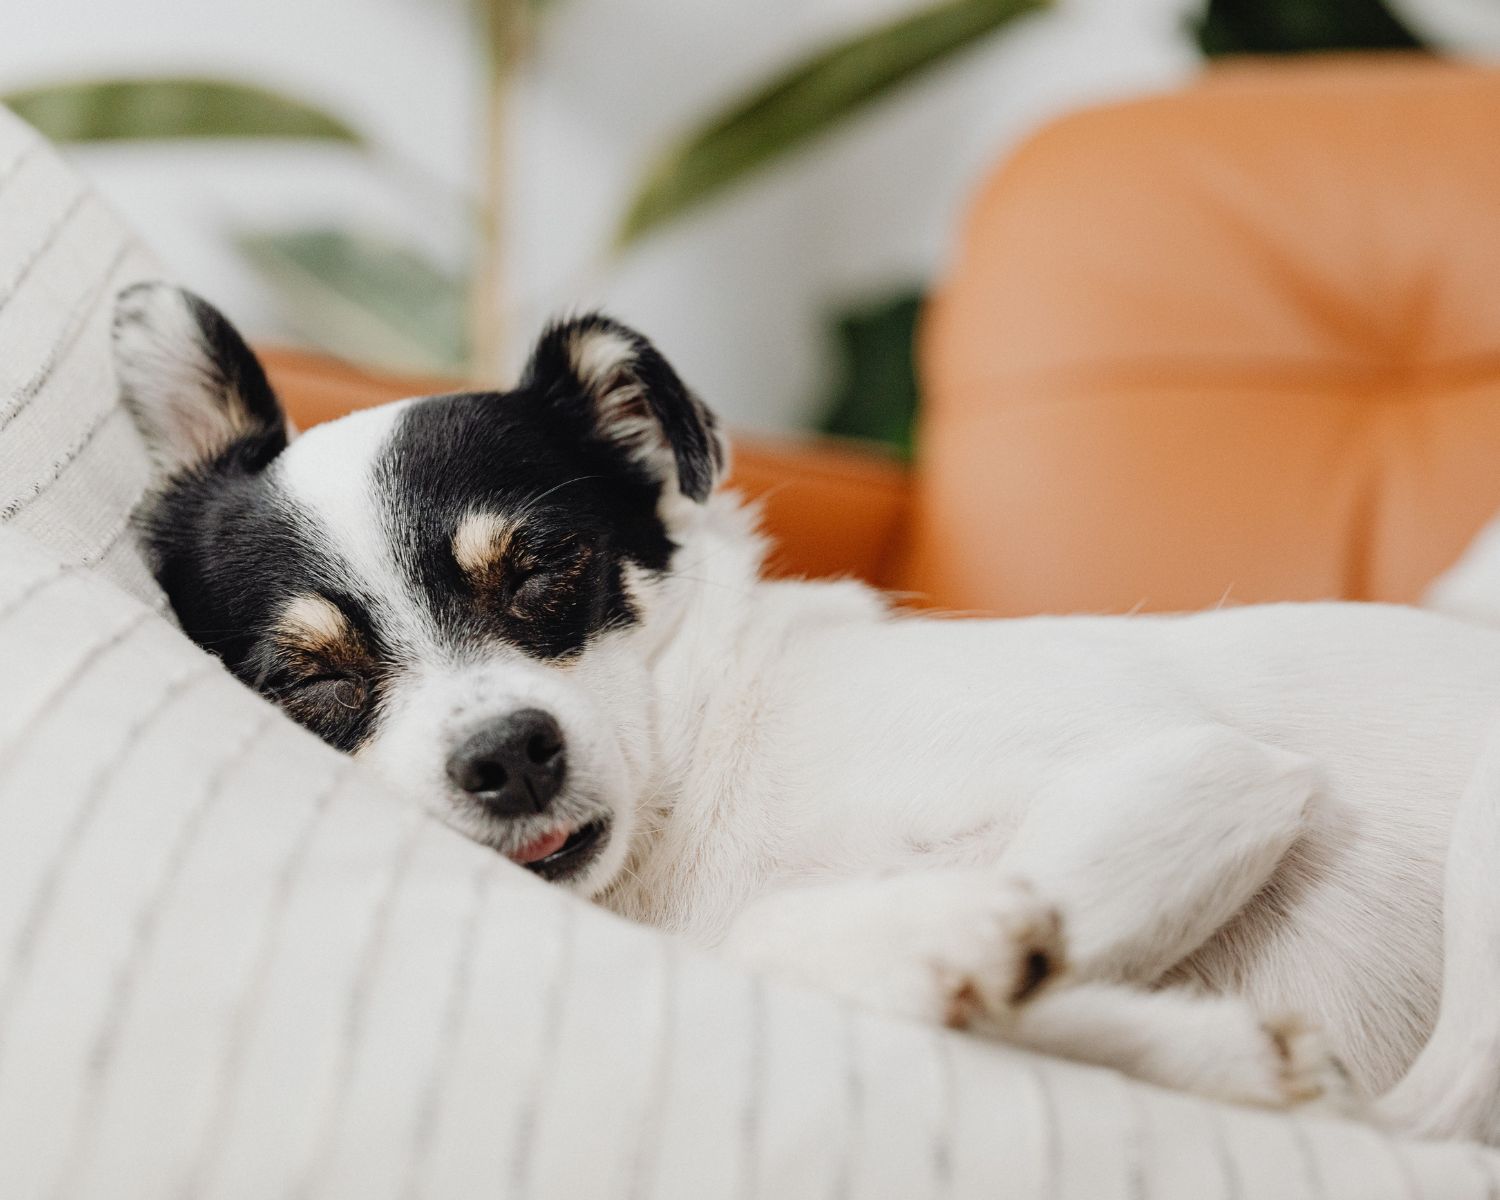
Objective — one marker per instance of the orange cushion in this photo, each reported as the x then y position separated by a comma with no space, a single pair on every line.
1239,343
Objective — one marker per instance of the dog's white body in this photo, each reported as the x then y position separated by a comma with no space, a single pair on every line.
1264,797
532,614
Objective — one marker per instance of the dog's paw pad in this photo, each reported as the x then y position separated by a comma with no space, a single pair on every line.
1037,968
964,1005
1307,1073
1014,949
1034,934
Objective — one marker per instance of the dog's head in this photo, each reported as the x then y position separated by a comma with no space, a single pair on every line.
455,588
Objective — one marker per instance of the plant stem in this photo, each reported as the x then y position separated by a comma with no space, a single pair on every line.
505,29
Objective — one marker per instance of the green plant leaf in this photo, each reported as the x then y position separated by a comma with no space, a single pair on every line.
877,392
364,297
805,100
121,109
1297,26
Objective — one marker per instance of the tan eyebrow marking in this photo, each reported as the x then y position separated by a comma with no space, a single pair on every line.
310,622
481,541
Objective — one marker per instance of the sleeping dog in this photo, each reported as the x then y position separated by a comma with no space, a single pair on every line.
1246,853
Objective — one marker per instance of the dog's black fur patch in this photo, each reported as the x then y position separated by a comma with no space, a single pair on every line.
231,550
242,377
579,511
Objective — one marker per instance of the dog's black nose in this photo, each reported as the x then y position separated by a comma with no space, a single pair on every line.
513,767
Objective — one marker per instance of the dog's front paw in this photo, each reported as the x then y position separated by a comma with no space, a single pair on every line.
1305,1073
957,947
1219,1046
1011,945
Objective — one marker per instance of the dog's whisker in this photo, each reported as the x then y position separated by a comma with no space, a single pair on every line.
531,504
716,583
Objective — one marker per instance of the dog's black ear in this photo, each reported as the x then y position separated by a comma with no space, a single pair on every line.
623,392
197,392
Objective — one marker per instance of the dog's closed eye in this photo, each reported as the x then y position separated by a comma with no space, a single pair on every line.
334,705
318,666
544,579
343,691
514,566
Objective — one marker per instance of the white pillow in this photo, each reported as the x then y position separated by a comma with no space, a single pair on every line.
232,966
71,465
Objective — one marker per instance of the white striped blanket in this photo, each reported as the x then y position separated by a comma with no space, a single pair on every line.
231,966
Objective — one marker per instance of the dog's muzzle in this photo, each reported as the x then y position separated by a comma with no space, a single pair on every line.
515,768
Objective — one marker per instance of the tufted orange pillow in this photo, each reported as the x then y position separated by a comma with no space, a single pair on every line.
1238,343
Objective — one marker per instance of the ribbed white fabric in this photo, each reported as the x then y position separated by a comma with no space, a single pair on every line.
232,966
70,463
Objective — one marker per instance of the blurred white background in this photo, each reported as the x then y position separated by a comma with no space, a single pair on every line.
738,293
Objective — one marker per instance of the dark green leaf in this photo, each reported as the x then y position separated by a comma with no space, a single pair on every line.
809,98
365,298
876,395
119,109
1291,26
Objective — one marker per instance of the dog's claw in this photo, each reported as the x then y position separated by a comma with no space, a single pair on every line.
1308,1074
1018,950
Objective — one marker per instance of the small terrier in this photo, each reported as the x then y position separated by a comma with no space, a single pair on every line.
1225,852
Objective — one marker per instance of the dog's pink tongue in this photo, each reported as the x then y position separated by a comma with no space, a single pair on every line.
549,843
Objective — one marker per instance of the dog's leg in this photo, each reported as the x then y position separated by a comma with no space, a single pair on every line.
1144,855
963,947
1213,1046
1148,853
950,945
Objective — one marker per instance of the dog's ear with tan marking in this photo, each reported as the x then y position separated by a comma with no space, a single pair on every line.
198,394
627,395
